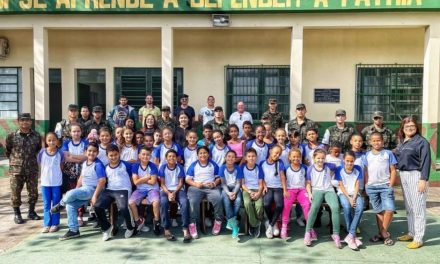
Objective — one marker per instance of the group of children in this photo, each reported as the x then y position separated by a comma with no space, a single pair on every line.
267,173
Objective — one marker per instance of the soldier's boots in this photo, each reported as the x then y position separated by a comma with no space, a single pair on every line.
32,215
17,216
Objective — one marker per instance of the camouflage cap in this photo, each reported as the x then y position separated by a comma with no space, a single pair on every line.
377,114
340,112
24,116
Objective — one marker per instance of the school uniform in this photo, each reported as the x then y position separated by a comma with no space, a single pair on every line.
231,183
160,151
296,187
254,209
262,150
272,178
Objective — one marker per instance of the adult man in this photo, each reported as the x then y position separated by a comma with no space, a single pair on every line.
120,113
239,116
272,115
165,120
340,132
147,109
206,113
389,137
185,108
85,115
219,122
62,128
22,148
97,122
301,123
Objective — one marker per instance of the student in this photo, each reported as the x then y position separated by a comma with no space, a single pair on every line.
295,189
145,178
167,144
149,141
150,124
129,124
190,151
349,176
90,184
139,135
172,182
295,142
319,187
335,156
269,139
380,179
180,132
207,137
248,131
281,136
252,186
119,138
258,144
274,183
129,151
51,160
219,150
157,137
309,148
235,143
203,180
231,176
118,189
356,143
104,139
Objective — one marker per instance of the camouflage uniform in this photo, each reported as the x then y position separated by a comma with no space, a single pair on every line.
171,123
22,150
276,119
62,129
91,124
389,137
339,135
223,126
301,128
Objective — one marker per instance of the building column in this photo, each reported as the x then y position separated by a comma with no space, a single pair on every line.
167,66
41,78
431,87
296,68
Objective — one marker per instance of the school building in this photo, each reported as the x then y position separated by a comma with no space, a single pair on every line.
359,55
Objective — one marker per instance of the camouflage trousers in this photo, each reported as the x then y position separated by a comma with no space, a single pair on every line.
17,182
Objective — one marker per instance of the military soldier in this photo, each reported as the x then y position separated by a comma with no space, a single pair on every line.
62,128
389,137
22,148
97,122
273,116
340,132
219,122
301,123
165,120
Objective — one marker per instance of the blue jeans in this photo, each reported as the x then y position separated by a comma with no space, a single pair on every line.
51,197
352,215
381,197
182,199
73,200
231,207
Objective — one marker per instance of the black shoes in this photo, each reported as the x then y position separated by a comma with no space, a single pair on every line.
17,216
156,228
32,215
69,235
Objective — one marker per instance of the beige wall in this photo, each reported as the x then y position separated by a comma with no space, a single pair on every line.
331,55
204,53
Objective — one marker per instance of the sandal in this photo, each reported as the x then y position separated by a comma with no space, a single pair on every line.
388,241
187,239
376,239
170,237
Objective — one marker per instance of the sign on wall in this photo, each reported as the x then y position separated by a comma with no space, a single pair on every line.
327,95
209,6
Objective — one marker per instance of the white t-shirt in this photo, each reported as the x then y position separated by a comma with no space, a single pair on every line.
149,170
119,177
91,173
308,152
202,174
348,179
172,176
262,150
238,119
218,155
296,179
231,176
272,174
207,113
336,161
161,150
189,156
102,155
129,153
50,167
378,166
321,180
252,176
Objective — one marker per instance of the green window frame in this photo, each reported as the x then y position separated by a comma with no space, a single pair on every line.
394,89
135,83
10,92
254,85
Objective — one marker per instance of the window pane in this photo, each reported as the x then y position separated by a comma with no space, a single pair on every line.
8,88
8,71
8,97
8,79
8,106
8,114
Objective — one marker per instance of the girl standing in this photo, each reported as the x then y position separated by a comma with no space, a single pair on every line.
105,139
281,136
219,150
167,144
180,133
190,151
236,144
129,151
258,144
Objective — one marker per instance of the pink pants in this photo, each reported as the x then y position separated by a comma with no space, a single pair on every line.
299,195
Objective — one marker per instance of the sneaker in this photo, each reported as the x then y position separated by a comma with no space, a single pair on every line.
284,231
96,225
235,229
257,230
229,224
69,235
81,222
347,238
414,245
54,229
140,224
129,233
358,242
276,230
107,234
406,238
313,235
208,222
269,230
217,227
174,223
145,229
56,209
300,222
352,243
156,228
193,231
124,225
251,231
307,239
337,240
46,229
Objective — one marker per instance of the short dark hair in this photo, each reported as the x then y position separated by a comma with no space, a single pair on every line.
169,152
93,144
111,148
146,149
202,147
122,96
208,126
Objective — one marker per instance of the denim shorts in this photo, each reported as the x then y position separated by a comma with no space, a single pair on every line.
151,195
381,197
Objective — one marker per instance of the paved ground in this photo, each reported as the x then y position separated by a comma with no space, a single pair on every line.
24,244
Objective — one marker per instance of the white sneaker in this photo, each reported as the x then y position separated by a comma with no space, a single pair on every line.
276,230
269,231
129,233
124,225
208,222
107,234
174,223
145,229
300,221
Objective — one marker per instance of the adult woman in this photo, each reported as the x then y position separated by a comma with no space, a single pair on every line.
150,125
414,161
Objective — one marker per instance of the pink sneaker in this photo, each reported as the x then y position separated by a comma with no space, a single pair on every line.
352,244
283,231
193,231
313,235
358,242
307,240
337,240
217,227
